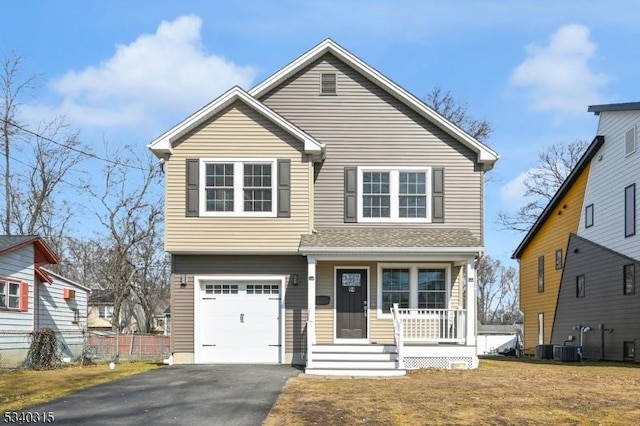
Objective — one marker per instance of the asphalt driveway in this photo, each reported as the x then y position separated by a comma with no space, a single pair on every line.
179,394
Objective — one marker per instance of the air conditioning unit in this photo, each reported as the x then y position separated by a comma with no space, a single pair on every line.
544,351
69,294
566,353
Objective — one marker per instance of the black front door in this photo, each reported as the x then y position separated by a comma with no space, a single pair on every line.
351,304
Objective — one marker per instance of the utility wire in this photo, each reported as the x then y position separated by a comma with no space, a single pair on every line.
79,151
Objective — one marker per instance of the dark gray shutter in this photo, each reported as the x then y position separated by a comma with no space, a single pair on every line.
437,195
192,179
284,188
350,194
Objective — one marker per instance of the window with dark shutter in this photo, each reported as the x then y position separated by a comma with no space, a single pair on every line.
284,188
328,84
192,178
350,194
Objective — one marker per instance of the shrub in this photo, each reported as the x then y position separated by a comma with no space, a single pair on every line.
43,353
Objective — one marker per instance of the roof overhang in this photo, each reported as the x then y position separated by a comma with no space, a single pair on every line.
485,155
626,106
162,146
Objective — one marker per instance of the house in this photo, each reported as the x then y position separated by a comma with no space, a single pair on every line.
326,217
100,310
578,261
32,297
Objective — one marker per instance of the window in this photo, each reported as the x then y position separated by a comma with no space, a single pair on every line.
412,286
630,210
9,295
559,259
328,84
105,311
398,195
588,216
238,187
630,141
540,274
580,290
541,328
629,277
76,316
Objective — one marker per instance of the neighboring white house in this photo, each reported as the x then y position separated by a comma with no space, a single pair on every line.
32,298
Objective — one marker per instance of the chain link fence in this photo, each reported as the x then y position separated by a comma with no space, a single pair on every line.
77,346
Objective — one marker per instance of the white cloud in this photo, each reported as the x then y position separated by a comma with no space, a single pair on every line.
558,77
512,193
156,74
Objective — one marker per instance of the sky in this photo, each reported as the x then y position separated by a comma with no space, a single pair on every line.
123,72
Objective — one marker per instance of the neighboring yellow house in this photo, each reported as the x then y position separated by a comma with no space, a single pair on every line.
542,252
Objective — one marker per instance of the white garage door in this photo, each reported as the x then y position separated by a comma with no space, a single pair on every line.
238,322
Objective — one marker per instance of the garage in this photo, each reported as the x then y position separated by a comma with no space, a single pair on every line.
238,320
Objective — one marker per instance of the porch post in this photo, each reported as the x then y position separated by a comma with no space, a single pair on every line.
311,307
471,302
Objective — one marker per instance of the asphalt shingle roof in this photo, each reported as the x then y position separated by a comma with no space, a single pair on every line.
388,238
8,241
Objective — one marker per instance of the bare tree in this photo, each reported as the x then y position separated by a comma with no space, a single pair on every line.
458,113
13,88
498,291
554,165
130,213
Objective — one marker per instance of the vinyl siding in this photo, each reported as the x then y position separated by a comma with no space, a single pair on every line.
237,132
604,301
17,266
365,126
182,298
551,236
610,174
380,329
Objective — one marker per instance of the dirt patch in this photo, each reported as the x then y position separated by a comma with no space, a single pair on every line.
500,392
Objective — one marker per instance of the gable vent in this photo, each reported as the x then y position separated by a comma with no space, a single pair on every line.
328,84
630,141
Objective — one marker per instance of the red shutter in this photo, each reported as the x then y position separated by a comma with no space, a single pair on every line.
24,296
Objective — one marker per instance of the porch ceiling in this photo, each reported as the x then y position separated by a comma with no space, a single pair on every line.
389,240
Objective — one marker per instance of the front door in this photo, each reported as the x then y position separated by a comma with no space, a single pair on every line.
351,304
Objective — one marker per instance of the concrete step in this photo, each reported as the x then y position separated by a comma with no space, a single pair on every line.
354,365
355,356
355,348
371,372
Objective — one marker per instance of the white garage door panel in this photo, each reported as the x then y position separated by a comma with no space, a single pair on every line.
238,327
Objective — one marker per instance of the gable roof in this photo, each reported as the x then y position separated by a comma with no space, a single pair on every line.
43,255
560,193
626,106
163,144
486,155
66,280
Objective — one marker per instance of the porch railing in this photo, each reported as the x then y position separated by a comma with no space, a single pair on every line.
398,335
431,325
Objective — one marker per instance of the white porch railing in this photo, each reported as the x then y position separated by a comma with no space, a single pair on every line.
398,335
430,325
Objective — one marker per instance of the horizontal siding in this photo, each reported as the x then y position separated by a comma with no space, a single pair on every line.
365,126
552,235
609,176
603,272
56,312
17,265
325,313
182,298
237,132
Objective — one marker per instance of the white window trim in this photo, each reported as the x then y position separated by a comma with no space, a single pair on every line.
238,187
394,192
635,141
108,311
6,294
413,283
240,279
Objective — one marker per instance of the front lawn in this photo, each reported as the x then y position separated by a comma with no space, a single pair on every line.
23,388
500,392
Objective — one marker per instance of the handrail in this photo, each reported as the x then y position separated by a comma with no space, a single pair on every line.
432,325
398,334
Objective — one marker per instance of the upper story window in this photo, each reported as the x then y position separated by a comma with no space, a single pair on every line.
559,259
580,286
630,141
629,277
630,210
541,274
390,194
9,295
105,311
328,84
588,216
238,187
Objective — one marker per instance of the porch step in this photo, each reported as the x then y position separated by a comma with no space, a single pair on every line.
355,372
355,356
364,364
354,348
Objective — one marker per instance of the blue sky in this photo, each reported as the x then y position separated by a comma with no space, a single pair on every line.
124,71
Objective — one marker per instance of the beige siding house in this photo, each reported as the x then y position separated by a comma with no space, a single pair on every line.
327,217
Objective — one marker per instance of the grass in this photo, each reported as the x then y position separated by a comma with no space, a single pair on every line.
23,388
500,392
